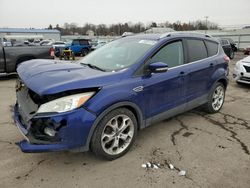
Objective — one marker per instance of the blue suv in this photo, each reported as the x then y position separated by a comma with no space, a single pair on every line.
104,99
78,46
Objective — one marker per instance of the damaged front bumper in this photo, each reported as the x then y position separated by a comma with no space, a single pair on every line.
71,131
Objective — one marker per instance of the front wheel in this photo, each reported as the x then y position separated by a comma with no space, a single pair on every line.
114,134
216,98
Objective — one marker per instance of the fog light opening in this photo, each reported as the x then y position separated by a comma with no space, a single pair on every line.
50,131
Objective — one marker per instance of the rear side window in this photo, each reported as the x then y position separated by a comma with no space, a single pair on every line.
196,50
84,42
171,54
212,48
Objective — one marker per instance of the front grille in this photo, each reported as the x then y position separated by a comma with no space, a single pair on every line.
247,68
26,106
245,79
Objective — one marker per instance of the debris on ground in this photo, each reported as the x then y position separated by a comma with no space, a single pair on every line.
150,165
171,166
182,173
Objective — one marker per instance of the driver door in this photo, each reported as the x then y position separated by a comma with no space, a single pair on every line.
165,92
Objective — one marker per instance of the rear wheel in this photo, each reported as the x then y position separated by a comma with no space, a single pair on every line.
84,52
216,98
114,134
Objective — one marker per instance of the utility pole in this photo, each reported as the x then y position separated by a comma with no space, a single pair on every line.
206,23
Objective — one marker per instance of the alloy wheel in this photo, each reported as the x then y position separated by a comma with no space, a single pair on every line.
218,98
117,134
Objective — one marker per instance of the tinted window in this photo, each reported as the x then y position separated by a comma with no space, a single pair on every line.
196,50
171,54
75,42
224,42
212,48
84,42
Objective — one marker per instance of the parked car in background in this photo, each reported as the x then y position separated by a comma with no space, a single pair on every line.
5,42
57,45
99,44
241,72
228,46
46,43
11,57
101,101
232,43
79,46
247,50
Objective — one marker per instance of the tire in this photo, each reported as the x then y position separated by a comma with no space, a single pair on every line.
231,56
212,106
84,52
114,134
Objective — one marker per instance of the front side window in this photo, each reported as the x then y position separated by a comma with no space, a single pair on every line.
171,54
75,42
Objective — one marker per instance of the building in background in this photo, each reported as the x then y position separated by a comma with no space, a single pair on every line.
29,34
159,30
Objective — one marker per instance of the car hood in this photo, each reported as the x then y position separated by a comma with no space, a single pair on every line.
46,77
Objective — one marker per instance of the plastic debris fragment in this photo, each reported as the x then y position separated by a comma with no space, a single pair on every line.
171,166
182,173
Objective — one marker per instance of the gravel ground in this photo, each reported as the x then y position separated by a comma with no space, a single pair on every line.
214,150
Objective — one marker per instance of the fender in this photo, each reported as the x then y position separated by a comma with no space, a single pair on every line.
219,74
141,121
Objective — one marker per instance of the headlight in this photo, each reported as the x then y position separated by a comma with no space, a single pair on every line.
65,104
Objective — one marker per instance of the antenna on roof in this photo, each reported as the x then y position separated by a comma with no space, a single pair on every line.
125,34
168,34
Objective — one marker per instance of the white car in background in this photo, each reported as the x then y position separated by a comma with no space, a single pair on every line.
241,72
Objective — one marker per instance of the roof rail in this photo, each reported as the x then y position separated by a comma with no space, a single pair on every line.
184,33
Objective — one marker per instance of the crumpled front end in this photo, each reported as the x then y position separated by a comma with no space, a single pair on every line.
50,132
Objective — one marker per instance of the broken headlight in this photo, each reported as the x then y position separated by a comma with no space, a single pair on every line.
65,104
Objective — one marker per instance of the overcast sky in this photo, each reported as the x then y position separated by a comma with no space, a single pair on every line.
41,13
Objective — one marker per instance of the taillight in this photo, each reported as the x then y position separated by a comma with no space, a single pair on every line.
226,59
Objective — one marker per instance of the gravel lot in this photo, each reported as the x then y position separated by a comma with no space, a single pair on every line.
214,150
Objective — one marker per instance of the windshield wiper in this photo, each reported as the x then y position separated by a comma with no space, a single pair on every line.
93,66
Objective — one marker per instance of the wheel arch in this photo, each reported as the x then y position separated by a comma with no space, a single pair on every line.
129,105
23,58
223,81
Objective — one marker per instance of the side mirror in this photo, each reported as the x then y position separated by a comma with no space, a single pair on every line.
158,67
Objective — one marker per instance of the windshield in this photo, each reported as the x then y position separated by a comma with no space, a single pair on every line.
118,54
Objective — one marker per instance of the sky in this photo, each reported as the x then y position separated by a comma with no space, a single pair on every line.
41,13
